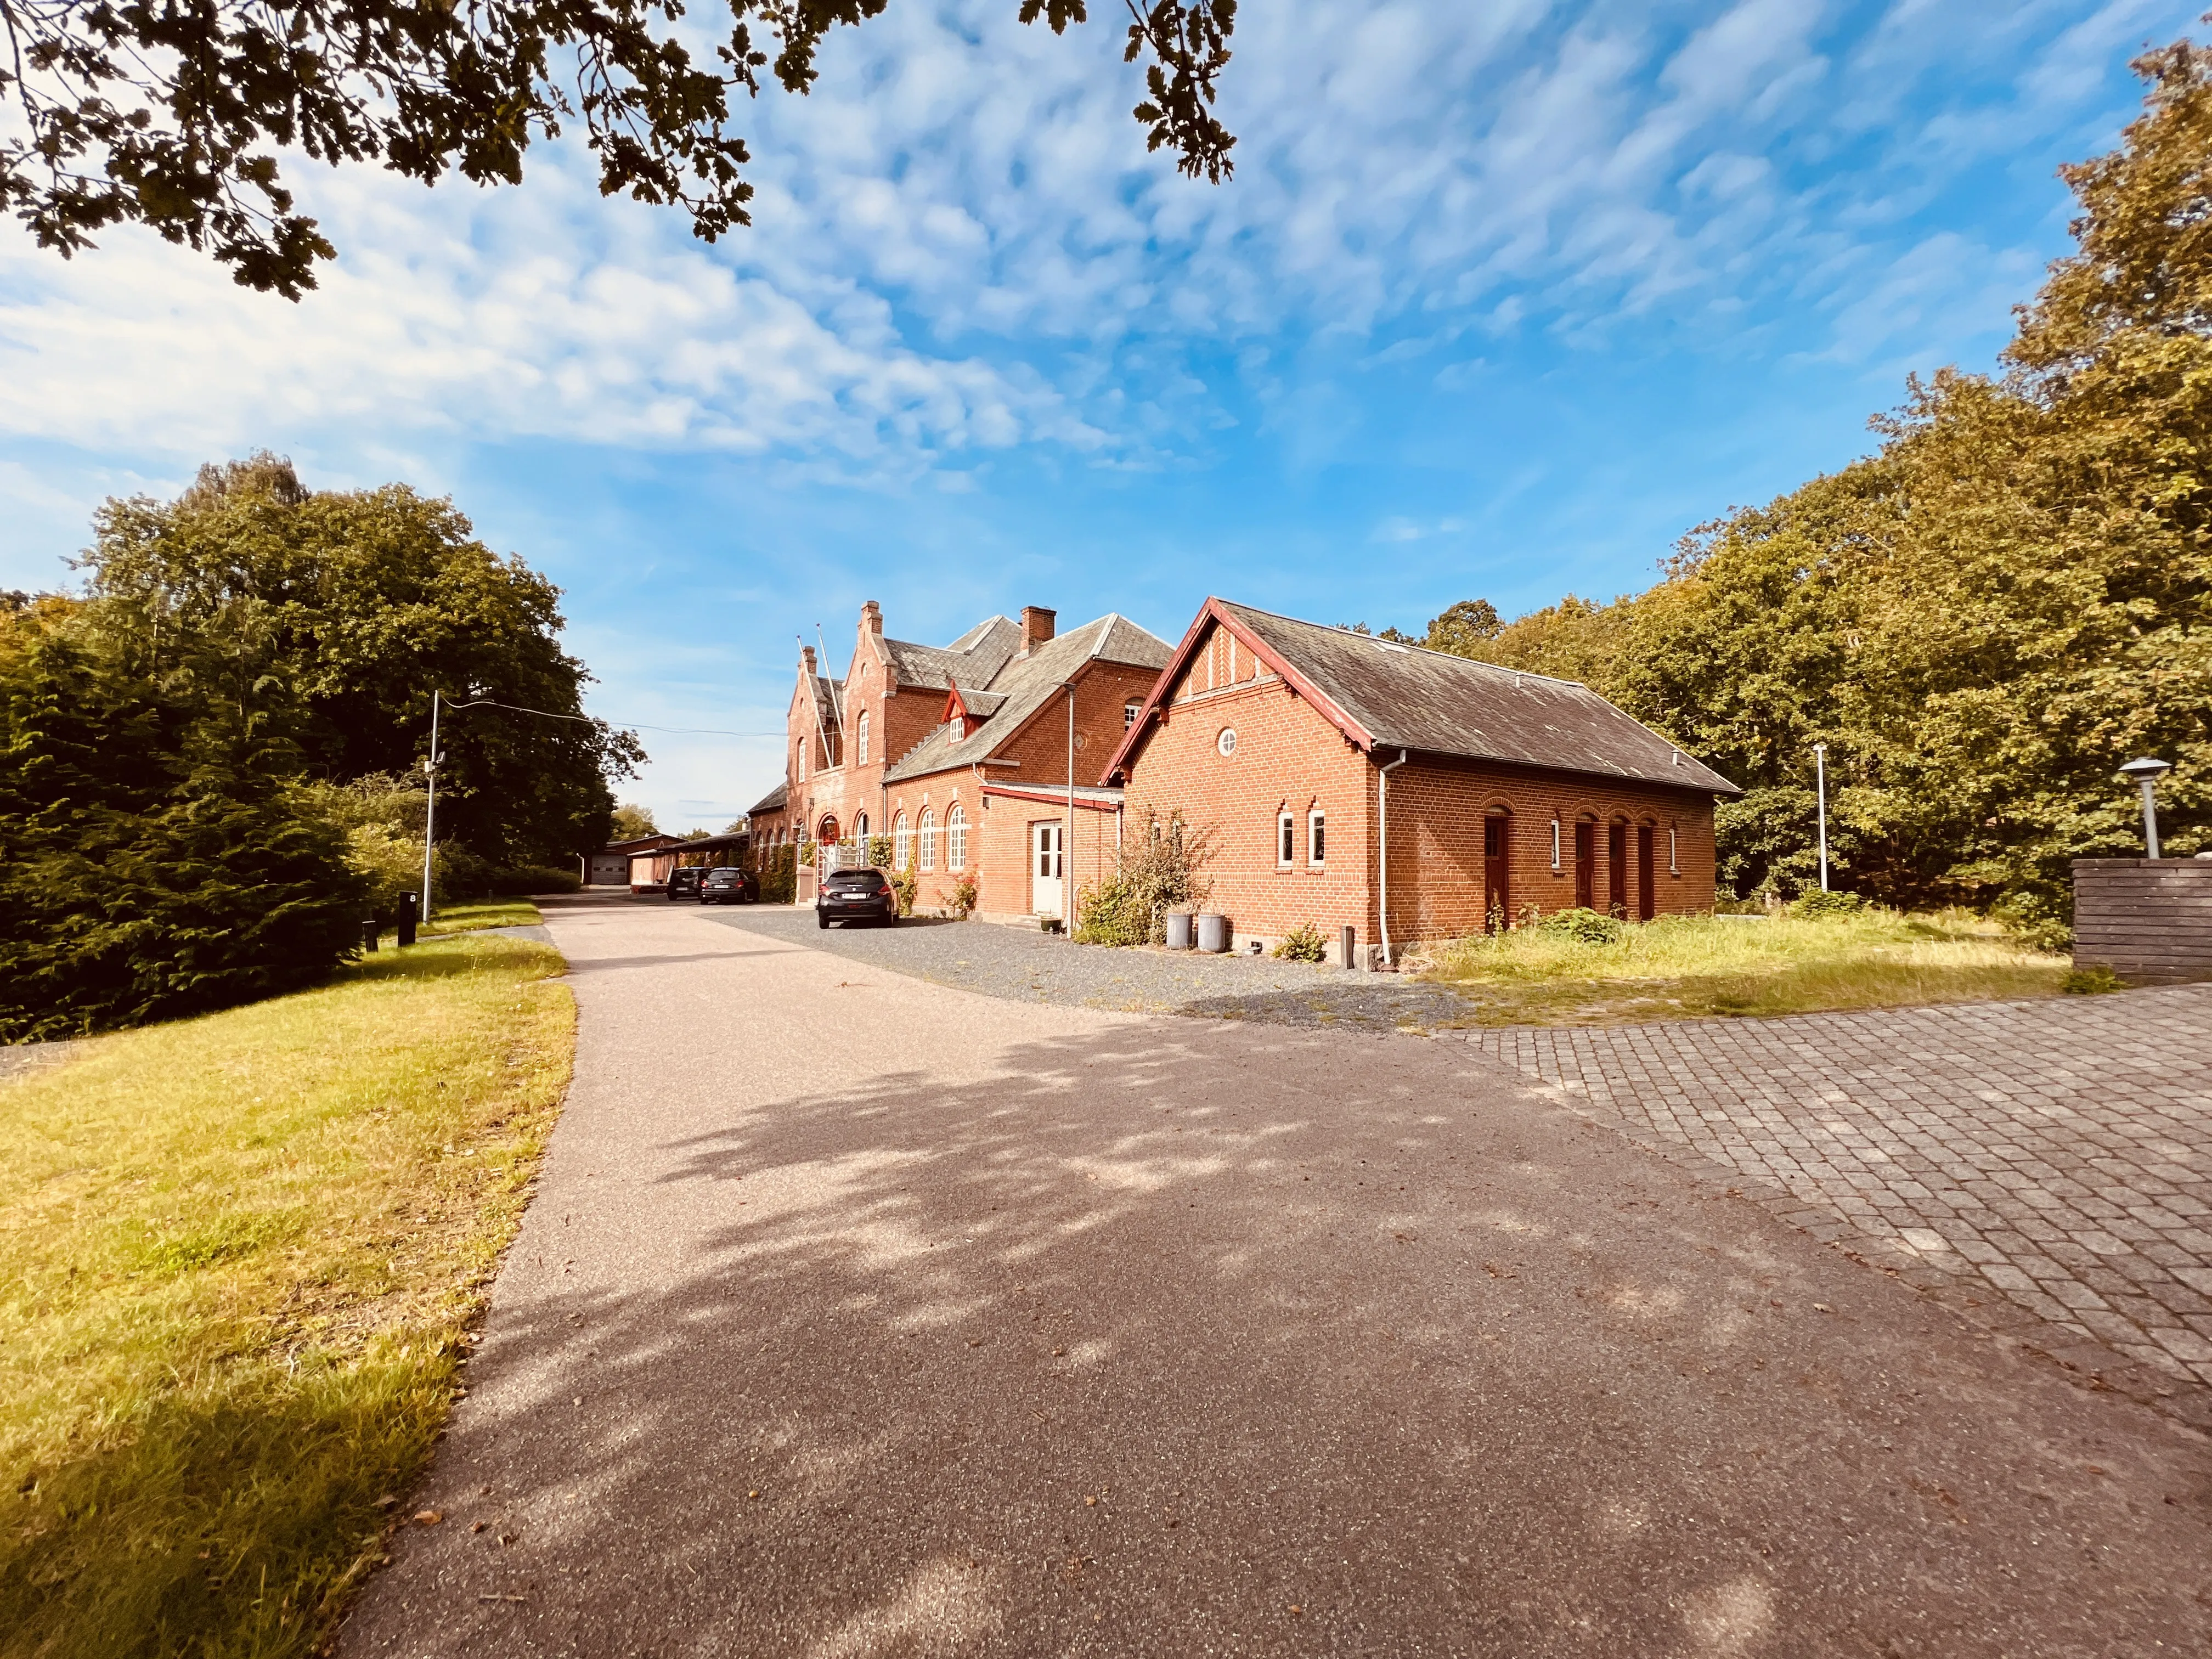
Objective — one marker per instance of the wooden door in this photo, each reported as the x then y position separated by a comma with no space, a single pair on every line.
1647,895
1586,865
1616,871
1497,873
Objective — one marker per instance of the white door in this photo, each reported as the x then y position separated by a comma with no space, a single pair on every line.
1045,868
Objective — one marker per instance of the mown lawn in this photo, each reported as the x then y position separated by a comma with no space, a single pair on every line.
1698,967
475,914
239,1259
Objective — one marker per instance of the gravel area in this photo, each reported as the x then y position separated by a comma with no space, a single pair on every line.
1026,965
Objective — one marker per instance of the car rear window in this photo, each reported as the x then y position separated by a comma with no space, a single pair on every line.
857,878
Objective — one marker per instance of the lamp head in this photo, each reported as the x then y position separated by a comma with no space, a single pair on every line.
2145,770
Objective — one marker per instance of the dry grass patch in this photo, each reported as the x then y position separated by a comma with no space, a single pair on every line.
239,1256
1698,967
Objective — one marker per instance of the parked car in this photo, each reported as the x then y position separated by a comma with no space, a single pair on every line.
684,883
856,895
727,885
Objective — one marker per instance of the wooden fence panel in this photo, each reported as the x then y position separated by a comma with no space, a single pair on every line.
2148,920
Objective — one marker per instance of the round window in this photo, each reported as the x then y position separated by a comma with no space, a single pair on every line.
1227,743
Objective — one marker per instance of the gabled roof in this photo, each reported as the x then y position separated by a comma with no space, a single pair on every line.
1025,685
640,844
971,660
1382,695
773,801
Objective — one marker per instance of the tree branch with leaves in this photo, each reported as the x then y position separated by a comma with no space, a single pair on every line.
169,113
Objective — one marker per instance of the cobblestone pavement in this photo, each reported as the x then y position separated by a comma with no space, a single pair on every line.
1026,965
2058,1152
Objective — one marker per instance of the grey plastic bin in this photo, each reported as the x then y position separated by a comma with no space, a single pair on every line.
1213,933
1179,930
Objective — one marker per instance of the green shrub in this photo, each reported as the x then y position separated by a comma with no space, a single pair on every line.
1585,926
880,852
1819,904
2091,981
778,875
964,895
1304,944
905,886
1158,871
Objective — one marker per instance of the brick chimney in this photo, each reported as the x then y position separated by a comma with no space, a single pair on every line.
806,656
1037,627
871,617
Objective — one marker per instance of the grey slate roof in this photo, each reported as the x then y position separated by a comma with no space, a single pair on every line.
771,802
1024,686
1408,697
971,660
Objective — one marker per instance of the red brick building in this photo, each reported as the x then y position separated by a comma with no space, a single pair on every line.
1413,795
923,744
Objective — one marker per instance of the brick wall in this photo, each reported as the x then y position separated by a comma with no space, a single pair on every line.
1290,759
2148,919
1007,889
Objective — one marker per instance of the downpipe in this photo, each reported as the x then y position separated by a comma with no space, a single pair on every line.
1382,849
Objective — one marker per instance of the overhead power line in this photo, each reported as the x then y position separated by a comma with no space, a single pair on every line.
633,725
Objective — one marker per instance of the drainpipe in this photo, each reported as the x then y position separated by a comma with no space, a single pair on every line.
1382,848
1068,843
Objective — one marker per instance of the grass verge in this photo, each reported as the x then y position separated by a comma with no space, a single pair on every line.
1698,967
238,1256
482,913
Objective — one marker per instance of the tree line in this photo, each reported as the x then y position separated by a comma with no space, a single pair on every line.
213,751
1984,617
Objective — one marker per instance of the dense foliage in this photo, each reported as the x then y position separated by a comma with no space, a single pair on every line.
351,606
1155,872
1985,618
172,116
155,859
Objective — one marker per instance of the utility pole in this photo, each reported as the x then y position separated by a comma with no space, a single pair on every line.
430,804
1820,771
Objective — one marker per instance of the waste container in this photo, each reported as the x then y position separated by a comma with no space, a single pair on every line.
368,932
1213,933
1179,930
409,904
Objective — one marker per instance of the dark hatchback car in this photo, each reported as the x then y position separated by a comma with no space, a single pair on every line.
727,885
684,883
856,895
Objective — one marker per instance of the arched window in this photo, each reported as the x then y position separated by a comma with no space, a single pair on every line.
956,838
862,739
902,842
861,828
928,839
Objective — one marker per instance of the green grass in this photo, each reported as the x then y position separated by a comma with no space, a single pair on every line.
482,913
1698,967
238,1258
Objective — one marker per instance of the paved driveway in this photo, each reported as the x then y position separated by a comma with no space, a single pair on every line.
860,1316
2057,1155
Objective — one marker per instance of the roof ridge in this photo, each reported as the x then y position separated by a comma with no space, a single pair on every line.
1409,645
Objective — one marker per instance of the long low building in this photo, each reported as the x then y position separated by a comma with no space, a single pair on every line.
1333,780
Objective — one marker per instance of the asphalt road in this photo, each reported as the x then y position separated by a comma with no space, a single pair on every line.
861,1315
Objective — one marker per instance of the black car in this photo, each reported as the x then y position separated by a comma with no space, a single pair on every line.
727,885
856,895
684,883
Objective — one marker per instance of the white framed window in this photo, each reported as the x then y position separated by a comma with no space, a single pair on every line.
860,830
1674,865
1130,710
862,739
1227,743
928,839
1317,840
1286,840
956,838
902,843
1555,846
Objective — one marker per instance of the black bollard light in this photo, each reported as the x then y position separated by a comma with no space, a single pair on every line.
409,904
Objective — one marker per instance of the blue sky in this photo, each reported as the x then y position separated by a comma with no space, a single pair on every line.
1504,299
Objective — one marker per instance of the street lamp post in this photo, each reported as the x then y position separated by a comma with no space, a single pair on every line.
2146,773
1821,773
430,804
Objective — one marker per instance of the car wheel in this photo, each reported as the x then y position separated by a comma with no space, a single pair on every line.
821,921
